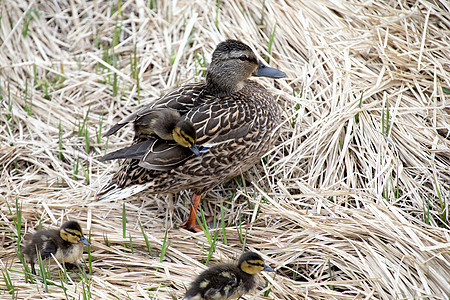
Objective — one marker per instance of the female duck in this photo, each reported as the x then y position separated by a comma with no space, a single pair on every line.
64,244
235,121
228,281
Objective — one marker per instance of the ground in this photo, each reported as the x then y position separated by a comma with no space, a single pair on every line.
353,201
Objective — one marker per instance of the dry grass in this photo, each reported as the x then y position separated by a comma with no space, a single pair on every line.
353,202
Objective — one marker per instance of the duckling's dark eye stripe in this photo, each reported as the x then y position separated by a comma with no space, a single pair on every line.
188,140
255,263
74,234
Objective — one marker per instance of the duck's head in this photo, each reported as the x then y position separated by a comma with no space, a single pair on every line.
232,63
252,263
72,233
185,135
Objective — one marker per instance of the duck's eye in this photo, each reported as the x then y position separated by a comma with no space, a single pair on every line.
243,57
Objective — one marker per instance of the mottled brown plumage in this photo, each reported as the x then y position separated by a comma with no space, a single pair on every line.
234,117
65,244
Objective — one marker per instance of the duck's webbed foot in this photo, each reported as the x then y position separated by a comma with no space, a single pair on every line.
190,224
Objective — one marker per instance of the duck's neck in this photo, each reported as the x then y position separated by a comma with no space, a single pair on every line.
222,84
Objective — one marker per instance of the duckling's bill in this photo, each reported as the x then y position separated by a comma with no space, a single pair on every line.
268,269
266,71
84,241
194,149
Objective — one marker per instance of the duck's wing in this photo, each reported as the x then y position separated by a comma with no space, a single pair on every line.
221,121
216,121
47,245
215,124
50,248
218,282
225,286
182,99
164,155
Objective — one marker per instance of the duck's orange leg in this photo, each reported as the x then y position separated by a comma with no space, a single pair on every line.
189,224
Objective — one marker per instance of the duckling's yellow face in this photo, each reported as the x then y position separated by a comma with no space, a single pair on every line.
70,235
252,263
184,134
253,266
71,232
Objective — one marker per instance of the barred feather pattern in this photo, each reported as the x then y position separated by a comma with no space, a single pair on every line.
237,131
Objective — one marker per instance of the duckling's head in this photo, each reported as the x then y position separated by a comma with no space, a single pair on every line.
185,135
72,233
232,63
252,263
168,125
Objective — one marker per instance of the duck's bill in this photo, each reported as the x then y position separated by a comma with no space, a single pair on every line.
268,269
84,241
266,71
194,149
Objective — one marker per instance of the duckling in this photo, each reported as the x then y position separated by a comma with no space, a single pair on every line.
64,244
166,124
228,281
235,120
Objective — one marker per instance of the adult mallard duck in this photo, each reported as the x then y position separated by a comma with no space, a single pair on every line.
228,281
64,243
234,117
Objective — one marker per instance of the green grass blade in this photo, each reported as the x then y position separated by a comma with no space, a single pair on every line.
147,243
269,47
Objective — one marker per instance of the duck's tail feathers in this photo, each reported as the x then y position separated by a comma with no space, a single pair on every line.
112,191
113,129
136,151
